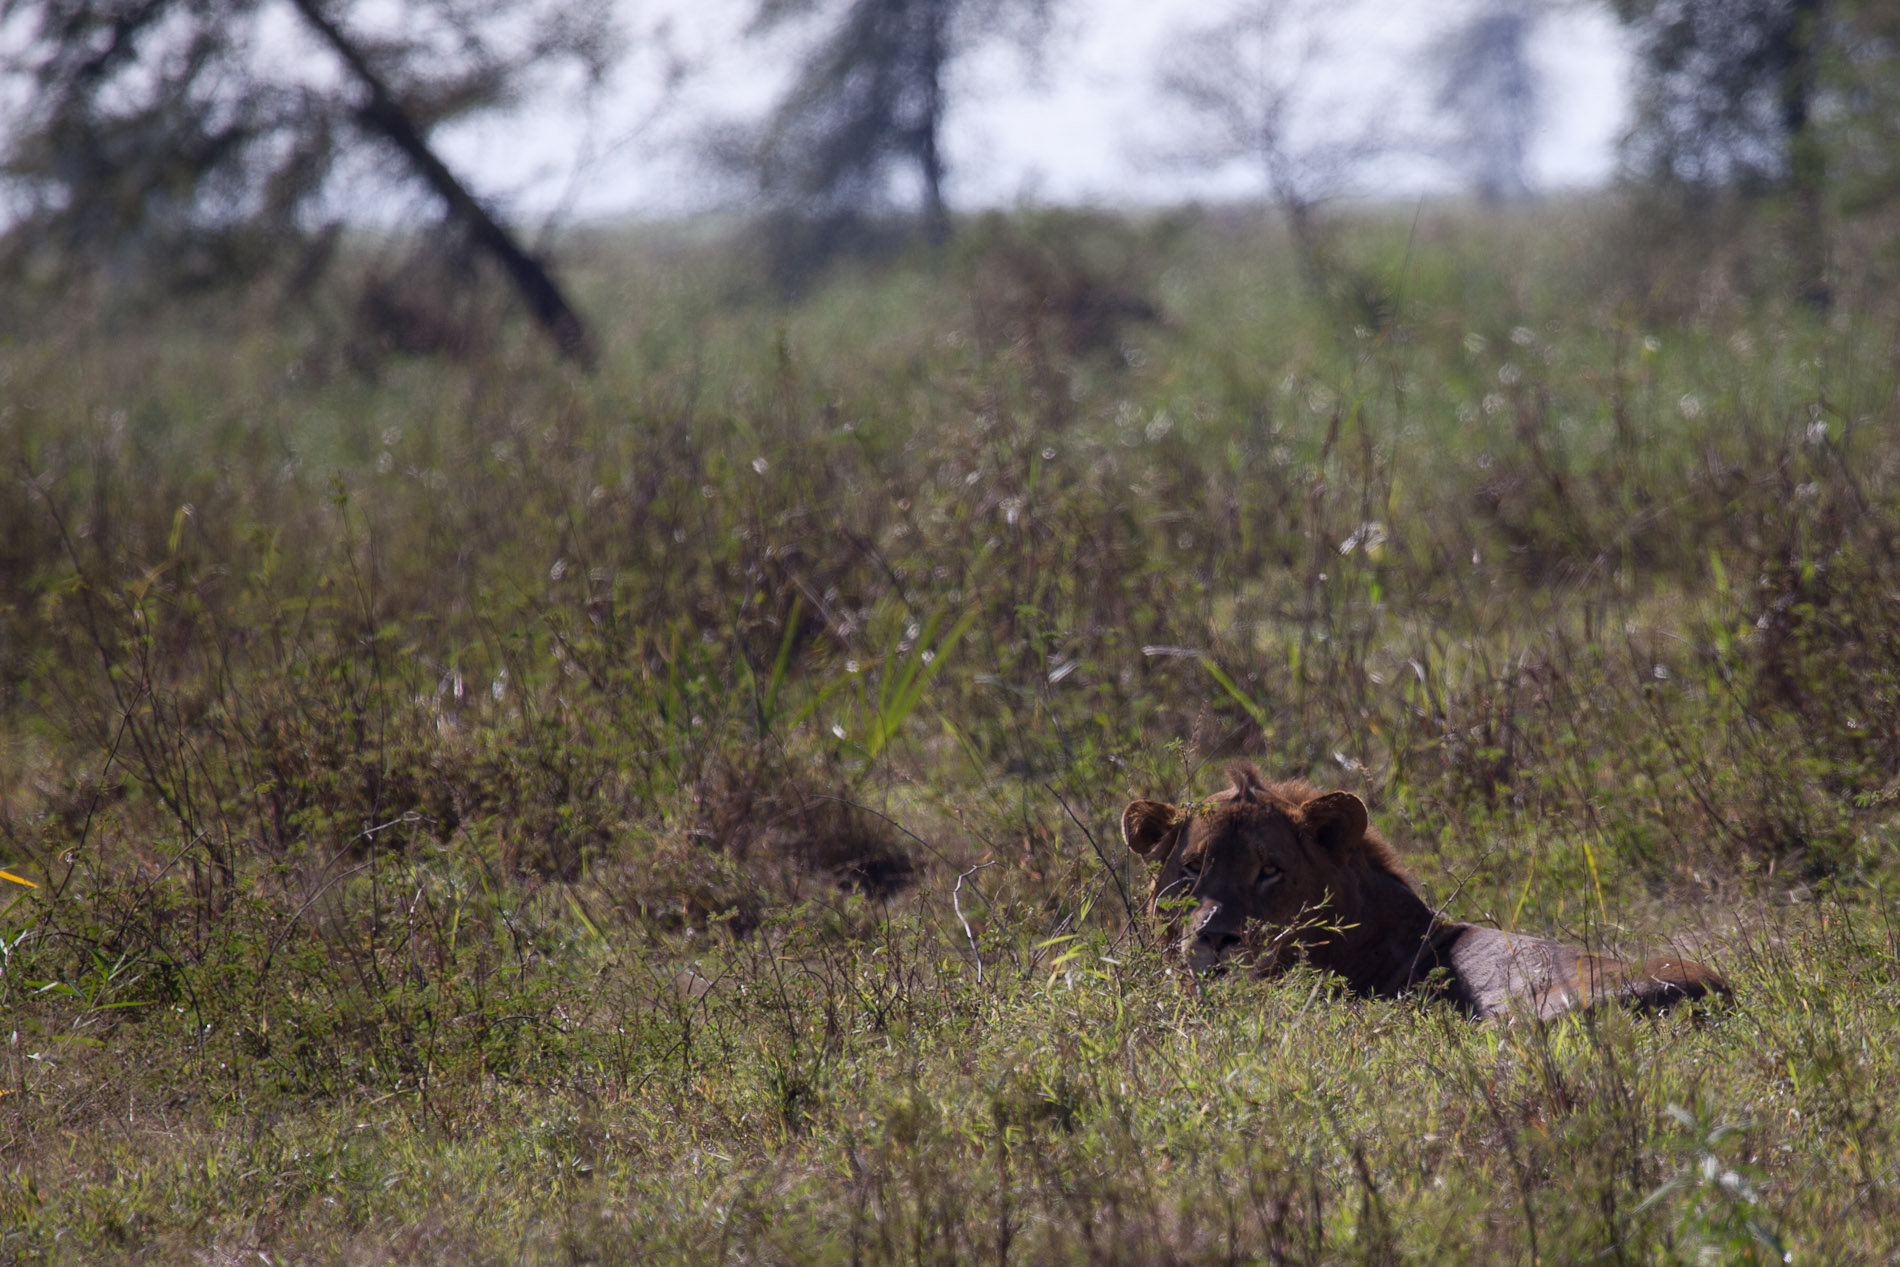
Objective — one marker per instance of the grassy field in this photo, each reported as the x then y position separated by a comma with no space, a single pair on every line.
483,814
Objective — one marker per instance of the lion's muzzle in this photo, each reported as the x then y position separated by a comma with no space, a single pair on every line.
1208,939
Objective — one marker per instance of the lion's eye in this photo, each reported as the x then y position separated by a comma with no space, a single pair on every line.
1192,866
1268,877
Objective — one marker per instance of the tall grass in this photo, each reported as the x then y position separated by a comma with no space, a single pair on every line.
483,813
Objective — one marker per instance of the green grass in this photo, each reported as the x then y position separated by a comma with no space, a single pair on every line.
482,814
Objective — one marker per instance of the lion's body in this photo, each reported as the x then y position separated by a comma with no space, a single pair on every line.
1490,972
1278,872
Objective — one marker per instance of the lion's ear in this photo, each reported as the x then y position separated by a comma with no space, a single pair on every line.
1338,820
1149,826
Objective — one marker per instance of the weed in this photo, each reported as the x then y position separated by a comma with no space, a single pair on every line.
472,813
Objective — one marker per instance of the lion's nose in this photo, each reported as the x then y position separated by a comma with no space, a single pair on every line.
1220,943
1215,941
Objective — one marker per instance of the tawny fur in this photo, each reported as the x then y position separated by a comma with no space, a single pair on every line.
1280,872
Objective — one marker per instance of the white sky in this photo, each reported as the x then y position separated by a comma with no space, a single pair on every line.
1083,124
1083,127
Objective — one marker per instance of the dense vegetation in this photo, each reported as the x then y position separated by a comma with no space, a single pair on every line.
485,814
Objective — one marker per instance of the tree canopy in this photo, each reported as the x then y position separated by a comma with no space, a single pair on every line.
194,141
870,99
1490,93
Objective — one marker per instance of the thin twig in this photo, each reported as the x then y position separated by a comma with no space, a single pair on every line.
271,954
1127,904
958,906
1438,914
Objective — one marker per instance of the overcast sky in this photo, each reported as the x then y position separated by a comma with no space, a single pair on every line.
1085,125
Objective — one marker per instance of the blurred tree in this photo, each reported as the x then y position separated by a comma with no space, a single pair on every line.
1790,97
1488,91
872,96
191,142
1256,88
1861,100
1726,89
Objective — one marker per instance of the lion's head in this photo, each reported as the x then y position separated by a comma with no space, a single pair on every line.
1254,870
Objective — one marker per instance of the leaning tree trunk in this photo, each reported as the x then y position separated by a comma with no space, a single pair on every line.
384,115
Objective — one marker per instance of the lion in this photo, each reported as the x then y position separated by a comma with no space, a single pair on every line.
1278,873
